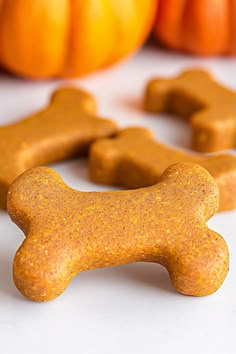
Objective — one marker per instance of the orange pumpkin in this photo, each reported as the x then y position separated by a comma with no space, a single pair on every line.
44,38
203,27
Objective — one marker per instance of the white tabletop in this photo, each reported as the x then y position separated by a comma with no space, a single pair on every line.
132,308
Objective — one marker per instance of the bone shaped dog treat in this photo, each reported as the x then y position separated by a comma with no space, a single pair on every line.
68,231
195,96
134,159
64,129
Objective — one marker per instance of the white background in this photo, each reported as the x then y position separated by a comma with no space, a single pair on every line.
132,308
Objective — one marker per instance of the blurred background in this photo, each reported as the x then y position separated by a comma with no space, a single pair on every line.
69,38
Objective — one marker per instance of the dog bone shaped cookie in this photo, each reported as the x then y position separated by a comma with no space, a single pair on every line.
68,231
134,159
209,107
64,129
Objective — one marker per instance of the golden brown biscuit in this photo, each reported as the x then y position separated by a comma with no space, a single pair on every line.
207,105
68,232
135,159
64,129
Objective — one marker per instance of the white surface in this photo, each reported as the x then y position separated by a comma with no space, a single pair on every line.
127,309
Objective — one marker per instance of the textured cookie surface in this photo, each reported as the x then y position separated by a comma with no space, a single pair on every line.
62,130
134,159
68,231
208,106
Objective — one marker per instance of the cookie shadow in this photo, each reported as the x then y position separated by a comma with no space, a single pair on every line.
79,168
7,288
133,104
148,275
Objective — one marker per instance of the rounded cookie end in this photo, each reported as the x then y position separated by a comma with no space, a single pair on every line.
200,269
